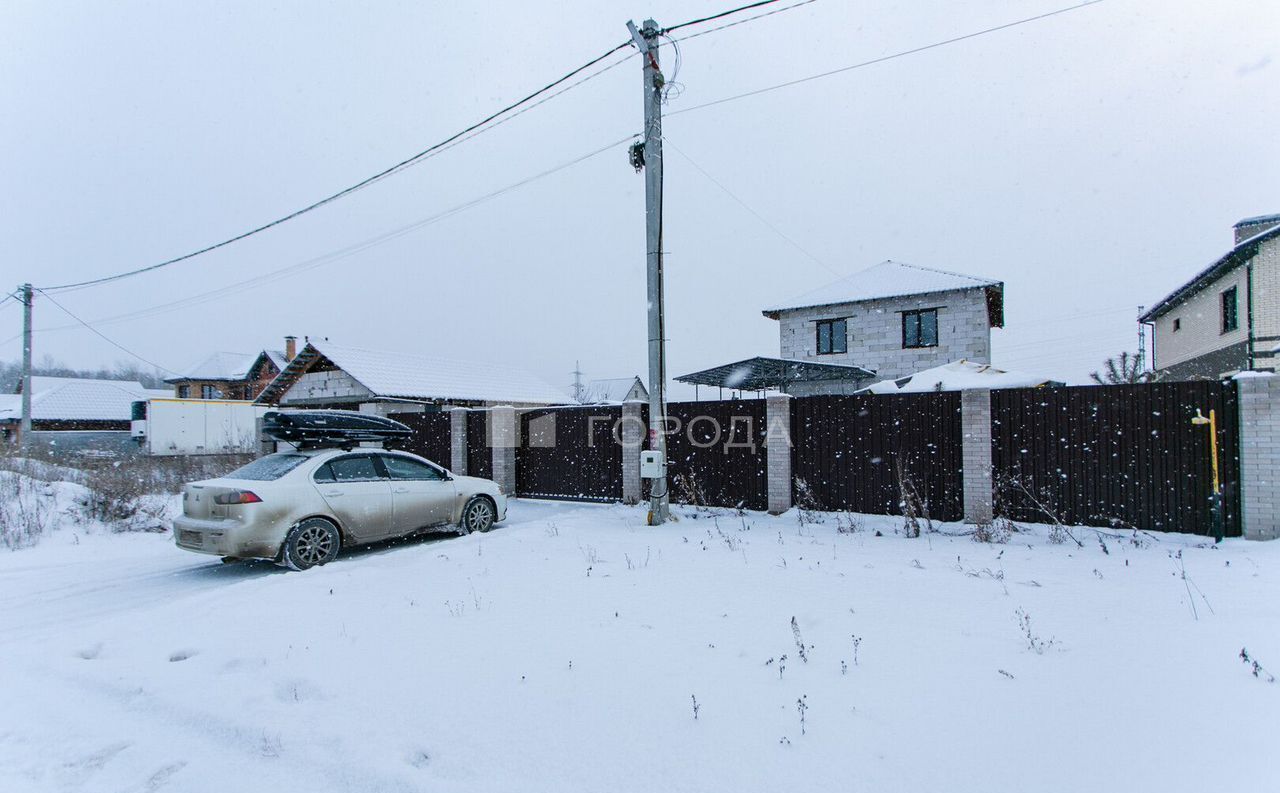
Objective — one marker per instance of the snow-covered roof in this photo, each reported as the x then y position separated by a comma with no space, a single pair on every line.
78,399
613,389
404,375
886,279
229,366
220,366
1257,219
957,376
277,358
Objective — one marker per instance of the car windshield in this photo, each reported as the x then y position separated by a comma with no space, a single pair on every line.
265,469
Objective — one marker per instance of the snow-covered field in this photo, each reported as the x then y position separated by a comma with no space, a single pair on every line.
563,652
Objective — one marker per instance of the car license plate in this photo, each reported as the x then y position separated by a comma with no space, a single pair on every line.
190,538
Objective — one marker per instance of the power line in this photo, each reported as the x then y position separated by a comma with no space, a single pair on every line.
100,335
342,253
884,58
434,148
739,22
666,139
722,14
480,126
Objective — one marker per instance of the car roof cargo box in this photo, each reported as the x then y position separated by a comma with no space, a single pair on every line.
330,427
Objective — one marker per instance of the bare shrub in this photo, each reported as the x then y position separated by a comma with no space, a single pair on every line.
124,494
27,510
807,503
914,507
689,491
998,531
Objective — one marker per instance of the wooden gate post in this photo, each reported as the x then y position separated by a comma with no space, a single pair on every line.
631,431
975,430
458,441
504,436
777,439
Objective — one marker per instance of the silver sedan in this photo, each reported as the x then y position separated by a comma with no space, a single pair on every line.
300,507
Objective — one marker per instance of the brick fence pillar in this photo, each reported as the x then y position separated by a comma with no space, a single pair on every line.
632,434
1260,457
777,414
458,441
504,436
975,432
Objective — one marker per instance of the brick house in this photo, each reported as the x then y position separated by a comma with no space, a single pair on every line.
884,323
893,319
1226,319
232,375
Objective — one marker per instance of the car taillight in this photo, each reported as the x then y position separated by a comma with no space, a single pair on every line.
237,497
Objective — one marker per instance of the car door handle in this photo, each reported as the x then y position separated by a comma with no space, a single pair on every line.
331,493
400,490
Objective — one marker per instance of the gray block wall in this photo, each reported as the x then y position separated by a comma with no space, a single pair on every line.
632,431
458,441
975,429
777,411
875,332
1260,457
504,436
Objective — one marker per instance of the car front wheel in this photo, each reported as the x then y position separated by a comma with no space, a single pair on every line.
312,542
478,515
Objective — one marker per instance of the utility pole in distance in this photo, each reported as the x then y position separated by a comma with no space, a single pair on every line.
24,429
646,40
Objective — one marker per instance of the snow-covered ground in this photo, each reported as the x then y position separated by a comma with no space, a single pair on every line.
563,652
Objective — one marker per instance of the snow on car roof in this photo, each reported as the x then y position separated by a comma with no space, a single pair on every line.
886,279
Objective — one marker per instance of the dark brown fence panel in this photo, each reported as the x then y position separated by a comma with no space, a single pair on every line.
479,453
845,449
430,439
719,447
1116,455
570,453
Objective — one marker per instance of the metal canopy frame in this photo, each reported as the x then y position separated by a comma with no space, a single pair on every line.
774,374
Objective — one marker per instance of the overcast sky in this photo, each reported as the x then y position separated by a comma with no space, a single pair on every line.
1093,161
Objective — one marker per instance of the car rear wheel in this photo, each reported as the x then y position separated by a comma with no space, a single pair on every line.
478,515
312,542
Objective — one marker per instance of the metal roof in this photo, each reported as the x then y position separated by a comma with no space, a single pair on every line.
774,374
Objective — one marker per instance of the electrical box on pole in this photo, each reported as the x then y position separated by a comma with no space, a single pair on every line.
646,41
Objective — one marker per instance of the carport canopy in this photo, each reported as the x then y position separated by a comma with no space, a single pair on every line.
774,374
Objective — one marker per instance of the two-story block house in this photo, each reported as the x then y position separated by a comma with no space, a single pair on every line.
883,323
1226,319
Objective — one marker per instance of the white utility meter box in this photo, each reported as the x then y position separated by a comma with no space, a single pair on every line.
652,466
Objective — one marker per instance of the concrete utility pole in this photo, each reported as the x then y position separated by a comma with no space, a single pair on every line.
646,40
24,429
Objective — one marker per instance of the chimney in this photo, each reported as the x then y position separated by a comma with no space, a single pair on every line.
290,347
1252,227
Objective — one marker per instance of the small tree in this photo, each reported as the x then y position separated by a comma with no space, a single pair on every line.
1122,370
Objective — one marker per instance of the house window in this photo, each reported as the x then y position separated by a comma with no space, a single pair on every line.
920,328
1177,324
209,392
833,336
184,391
1230,315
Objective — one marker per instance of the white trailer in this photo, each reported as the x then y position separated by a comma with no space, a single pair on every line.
170,427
